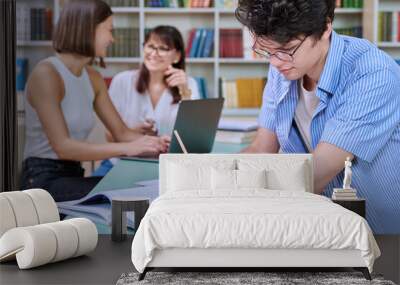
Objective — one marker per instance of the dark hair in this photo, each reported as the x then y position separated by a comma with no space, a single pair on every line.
285,20
173,39
76,29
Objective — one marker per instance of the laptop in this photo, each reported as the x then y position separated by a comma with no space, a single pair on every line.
196,124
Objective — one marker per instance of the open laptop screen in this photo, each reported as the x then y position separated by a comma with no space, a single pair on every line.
197,123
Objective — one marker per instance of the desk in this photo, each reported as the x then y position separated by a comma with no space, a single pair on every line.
127,172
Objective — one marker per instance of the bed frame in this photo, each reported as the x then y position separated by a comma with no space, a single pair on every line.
249,259
244,259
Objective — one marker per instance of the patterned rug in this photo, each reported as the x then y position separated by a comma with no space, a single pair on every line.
244,278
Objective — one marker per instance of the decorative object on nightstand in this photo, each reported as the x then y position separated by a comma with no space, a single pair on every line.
119,208
31,231
345,193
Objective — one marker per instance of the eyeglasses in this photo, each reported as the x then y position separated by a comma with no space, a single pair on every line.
281,55
161,51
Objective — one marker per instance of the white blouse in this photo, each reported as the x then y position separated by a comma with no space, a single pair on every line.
134,108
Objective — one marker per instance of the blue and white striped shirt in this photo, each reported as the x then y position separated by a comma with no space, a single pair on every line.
359,111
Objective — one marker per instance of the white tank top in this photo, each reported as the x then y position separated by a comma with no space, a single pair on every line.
77,108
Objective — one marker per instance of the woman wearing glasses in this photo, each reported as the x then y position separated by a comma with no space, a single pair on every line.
62,94
147,99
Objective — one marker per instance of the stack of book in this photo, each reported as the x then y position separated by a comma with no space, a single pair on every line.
349,3
344,194
179,3
352,31
200,43
242,92
122,3
388,27
126,43
34,24
236,130
231,43
237,137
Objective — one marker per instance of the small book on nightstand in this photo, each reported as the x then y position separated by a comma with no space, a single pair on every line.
344,194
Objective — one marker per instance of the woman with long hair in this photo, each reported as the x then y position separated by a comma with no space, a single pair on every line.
63,94
147,98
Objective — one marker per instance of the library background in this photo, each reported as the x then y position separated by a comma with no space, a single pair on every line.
218,48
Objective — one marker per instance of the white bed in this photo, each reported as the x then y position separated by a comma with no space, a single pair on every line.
227,218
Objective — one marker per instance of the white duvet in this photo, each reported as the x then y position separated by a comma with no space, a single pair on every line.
250,219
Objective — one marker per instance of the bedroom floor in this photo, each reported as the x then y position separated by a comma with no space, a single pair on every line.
103,266
106,264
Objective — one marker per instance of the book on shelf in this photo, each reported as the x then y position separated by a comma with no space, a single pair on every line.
200,43
350,31
226,4
178,3
231,43
21,68
122,3
237,43
34,23
349,3
242,92
97,206
126,43
202,86
397,24
389,26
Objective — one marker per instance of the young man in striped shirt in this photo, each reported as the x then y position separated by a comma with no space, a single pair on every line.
331,95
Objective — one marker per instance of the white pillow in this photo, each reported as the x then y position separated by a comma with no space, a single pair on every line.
281,173
292,179
237,179
187,175
223,179
183,177
251,179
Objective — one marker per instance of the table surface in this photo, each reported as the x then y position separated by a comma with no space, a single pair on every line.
102,266
127,172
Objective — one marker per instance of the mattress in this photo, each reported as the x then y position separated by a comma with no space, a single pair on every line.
250,219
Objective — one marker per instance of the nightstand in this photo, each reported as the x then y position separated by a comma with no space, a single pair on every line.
357,206
119,207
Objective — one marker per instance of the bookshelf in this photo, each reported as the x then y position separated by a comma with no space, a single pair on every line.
212,68
374,11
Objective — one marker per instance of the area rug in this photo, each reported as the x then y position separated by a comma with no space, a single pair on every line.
244,278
